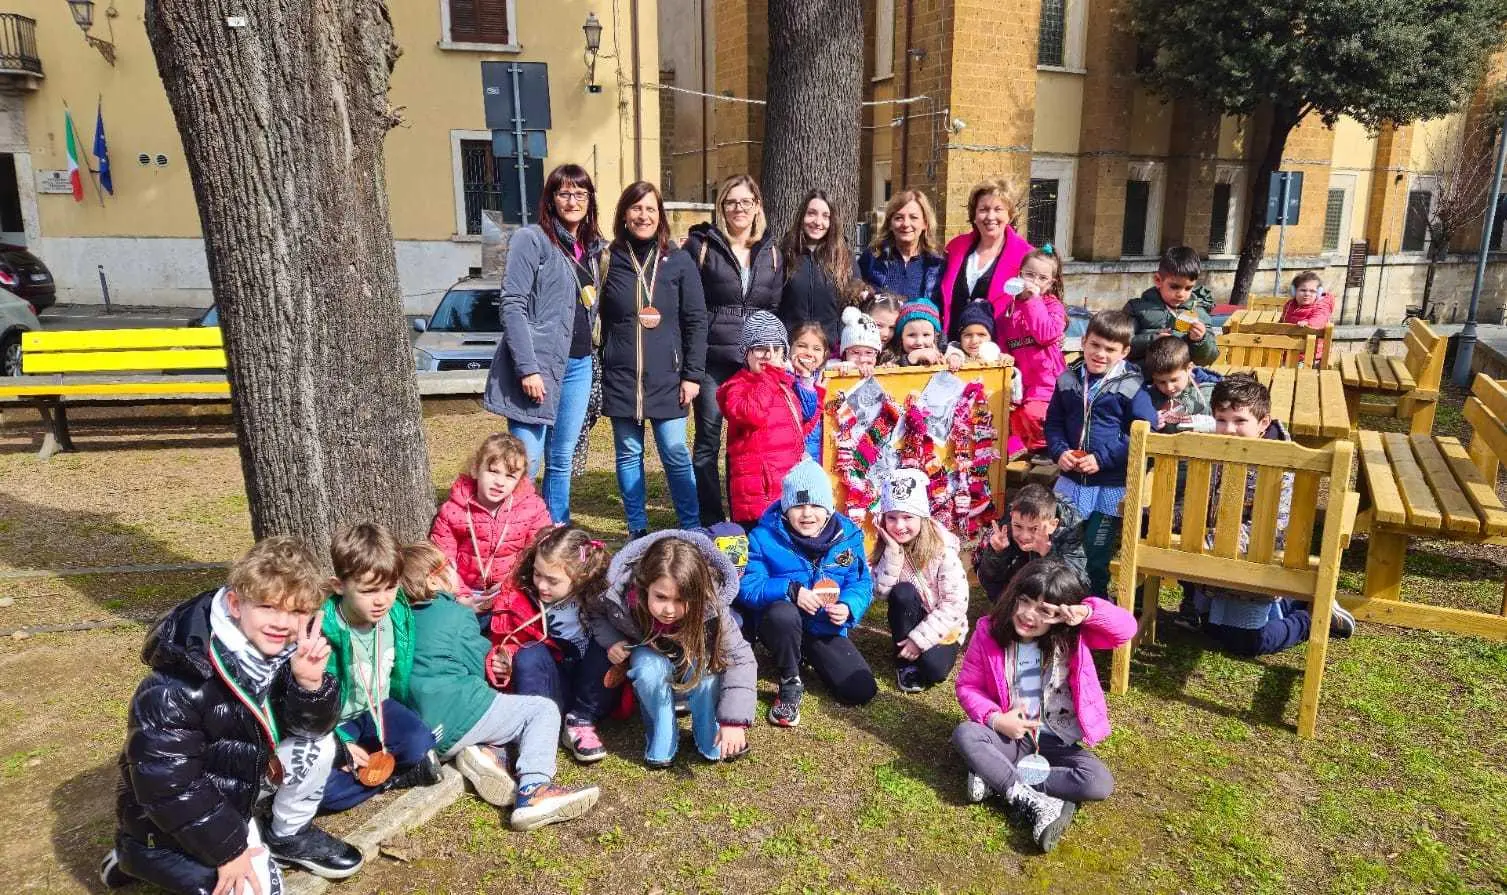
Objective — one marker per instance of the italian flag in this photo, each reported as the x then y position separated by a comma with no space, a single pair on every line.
74,177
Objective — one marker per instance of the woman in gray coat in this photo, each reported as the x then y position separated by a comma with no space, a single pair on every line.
541,376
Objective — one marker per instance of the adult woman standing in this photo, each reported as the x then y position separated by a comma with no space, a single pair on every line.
980,261
541,375
741,272
902,259
653,352
819,267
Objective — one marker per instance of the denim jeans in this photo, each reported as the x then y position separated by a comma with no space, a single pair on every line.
557,443
669,438
574,682
651,673
407,741
707,457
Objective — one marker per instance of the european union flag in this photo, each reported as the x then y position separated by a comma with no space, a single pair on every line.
101,151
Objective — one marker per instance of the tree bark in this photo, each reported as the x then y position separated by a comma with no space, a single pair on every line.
1438,249
814,96
1253,244
283,123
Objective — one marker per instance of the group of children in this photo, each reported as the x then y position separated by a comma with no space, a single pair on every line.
283,694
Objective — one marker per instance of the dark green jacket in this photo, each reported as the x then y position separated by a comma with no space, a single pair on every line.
339,664
1152,315
449,686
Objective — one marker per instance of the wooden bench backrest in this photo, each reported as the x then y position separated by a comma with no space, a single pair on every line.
1260,350
1486,411
1425,358
1179,549
122,350
1266,302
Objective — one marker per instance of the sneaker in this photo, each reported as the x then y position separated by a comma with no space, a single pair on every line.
425,773
110,873
908,679
786,711
487,775
316,851
546,803
1047,816
580,739
975,790
1341,623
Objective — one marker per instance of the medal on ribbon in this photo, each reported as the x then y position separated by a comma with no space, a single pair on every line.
259,710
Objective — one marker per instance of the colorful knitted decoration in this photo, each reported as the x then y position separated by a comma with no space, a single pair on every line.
857,451
975,443
918,450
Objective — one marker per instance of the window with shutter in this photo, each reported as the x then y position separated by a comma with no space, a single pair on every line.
479,21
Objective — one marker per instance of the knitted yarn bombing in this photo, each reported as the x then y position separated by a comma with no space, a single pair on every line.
975,442
857,452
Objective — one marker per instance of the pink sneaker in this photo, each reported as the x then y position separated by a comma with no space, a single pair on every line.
581,739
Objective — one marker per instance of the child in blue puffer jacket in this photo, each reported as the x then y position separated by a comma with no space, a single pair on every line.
806,585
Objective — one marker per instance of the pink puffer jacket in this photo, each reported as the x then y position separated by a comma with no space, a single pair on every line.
1015,251
501,534
1030,331
1314,316
983,685
943,586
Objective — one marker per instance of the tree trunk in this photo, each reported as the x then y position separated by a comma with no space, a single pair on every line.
1437,250
283,123
811,121
1253,245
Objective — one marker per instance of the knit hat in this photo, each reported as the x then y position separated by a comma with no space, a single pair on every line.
978,313
763,328
859,331
920,309
905,492
805,484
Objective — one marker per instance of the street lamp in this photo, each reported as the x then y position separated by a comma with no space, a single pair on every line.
83,17
593,31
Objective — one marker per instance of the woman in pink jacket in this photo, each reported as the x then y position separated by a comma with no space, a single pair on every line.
1030,330
1033,699
1311,306
981,261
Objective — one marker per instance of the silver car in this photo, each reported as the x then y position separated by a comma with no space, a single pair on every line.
17,315
463,331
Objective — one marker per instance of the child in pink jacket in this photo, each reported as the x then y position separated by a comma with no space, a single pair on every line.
1033,699
918,570
1030,330
1311,306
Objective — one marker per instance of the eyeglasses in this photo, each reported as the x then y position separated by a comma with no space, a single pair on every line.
766,350
572,195
739,204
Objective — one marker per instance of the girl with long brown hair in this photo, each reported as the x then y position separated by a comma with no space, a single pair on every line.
818,267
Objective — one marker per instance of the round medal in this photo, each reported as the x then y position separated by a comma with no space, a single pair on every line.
379,766
1033,769
615,676
588,295
275,771
827,590
648,318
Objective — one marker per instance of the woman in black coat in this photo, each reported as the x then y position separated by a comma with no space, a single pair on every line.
653,352
819,266
741,272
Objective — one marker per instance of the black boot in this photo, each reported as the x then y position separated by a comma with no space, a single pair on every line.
425,773
316,851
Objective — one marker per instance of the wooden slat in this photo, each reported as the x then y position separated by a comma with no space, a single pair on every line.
1491,393
1281,390
1224,449
1454,506
1349,370
1231,508
1263,541
1307,415
124,361
1163,501
1366,366
1487,430
42,341
1386,380
1196,505
1400,372
1300,520
1423,512
1235,573
1381,481
1334,413
1428,618
1481,494
75,390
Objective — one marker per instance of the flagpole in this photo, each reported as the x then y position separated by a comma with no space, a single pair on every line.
93,174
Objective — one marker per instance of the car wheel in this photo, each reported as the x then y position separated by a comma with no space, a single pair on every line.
10,355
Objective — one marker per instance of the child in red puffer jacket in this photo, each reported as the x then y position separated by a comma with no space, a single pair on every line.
1311,305
492,515
766,431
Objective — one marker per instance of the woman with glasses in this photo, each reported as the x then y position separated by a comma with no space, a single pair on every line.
741,272
541,375
653,352
902,259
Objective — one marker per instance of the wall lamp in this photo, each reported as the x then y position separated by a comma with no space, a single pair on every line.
83,17
593,32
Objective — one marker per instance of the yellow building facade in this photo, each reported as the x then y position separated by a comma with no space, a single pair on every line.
440,169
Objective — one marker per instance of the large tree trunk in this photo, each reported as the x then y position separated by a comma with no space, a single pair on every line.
815,91
1253,245
282,123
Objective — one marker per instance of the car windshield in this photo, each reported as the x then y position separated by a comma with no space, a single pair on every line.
467,311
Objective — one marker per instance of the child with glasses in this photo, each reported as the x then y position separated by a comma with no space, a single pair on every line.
766,430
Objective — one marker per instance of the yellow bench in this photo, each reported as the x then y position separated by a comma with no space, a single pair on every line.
1247,349
1266,302
1404,388
1178,546
124,367
1432,487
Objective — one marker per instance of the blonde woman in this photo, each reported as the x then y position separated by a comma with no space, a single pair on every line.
981,261
903,259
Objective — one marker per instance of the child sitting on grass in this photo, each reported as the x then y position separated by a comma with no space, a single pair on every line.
1176,387
237,705
1033,700
473,722
1040,525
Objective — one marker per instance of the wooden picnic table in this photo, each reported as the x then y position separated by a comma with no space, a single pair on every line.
1377,373
1309,402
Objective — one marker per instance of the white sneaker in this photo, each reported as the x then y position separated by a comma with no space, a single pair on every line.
551,804
1049,816
975,790
487,775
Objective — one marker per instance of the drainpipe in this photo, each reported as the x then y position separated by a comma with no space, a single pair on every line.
638,94
706,133
904,179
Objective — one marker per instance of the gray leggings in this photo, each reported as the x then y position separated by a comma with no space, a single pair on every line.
1077,774
531,721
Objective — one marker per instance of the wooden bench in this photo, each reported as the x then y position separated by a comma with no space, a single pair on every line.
1310,403
1432,487
128,367
1270,323
1173,548
1242,349
1404,388
1266,302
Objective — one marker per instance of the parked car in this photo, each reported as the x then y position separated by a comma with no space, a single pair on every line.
17,315
463,331
24,274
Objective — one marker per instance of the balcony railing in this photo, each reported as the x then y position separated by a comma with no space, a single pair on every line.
18,45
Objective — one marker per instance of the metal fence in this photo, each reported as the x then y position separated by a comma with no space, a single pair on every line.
18,44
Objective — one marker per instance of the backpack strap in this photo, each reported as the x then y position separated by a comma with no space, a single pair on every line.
701,256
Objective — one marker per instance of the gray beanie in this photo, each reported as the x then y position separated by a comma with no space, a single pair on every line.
763,328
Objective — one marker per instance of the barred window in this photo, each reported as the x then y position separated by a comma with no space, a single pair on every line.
480,181
1219,220
1137,207
1334,213
1415,228
1041,210
1053,40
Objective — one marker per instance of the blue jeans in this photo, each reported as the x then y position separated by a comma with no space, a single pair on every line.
651,674
407,740
574,682
669,438
557,442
